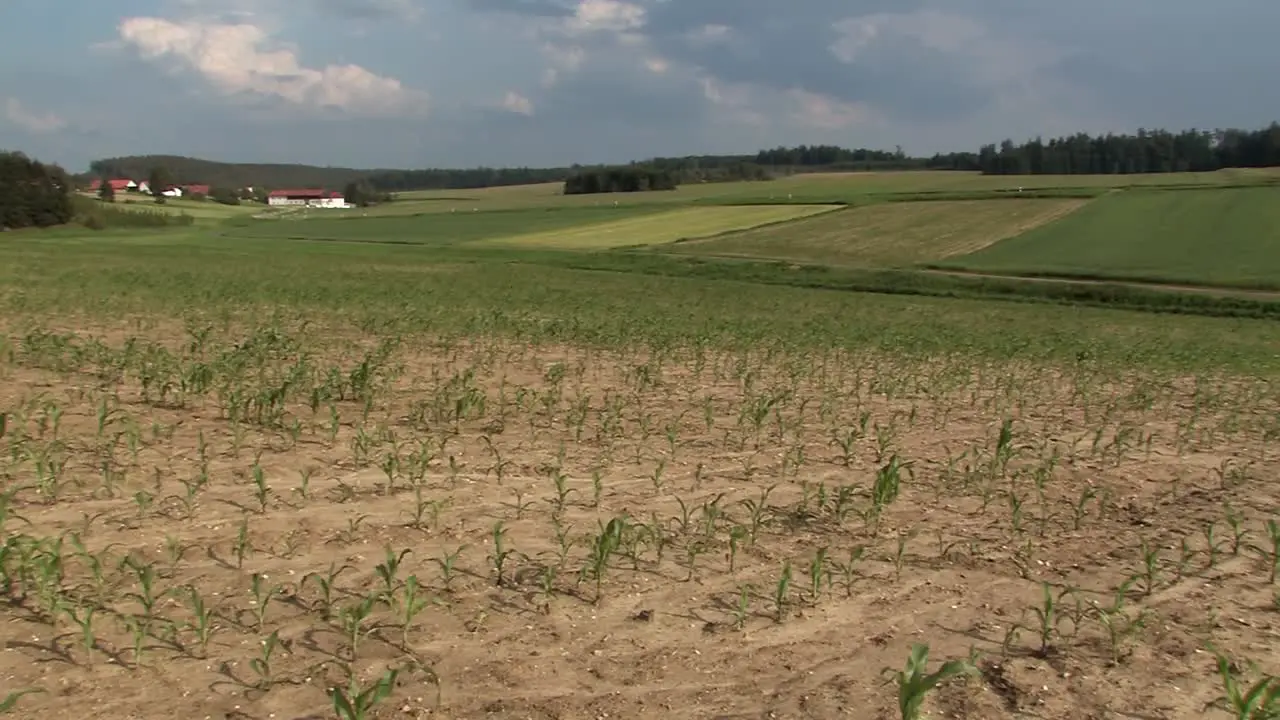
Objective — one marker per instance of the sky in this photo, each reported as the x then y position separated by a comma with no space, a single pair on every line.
463,83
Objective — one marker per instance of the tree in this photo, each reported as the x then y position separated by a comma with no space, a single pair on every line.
32,194
160,179
106,193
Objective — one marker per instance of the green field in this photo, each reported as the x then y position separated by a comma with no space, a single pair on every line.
807,188
502,462
890,234
204,211
664,227
439,229
1205,237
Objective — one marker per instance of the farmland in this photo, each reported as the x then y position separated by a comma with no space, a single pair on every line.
1202,237
666,227
890,234
482,463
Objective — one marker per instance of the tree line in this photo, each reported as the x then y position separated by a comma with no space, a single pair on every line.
33,194
1147,151
636,178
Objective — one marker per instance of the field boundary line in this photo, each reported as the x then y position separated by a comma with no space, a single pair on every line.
1173,287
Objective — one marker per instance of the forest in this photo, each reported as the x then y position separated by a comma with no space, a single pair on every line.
1146,151
619,179
32,194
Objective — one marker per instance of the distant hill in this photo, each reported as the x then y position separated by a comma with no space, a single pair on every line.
696,168
186,170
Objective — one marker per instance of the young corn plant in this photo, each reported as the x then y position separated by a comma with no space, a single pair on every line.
412,602
448,562
11,699
780,590
261,665
354,619
263,594
500,553
1271,554
915,682
388,571
355,702
1260,701
1120,625
202,620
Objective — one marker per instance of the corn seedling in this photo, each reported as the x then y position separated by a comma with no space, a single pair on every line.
388,571
448,562
261,665
263,593
355,702
327,585
1212,546
202,623
83,619
818,572
1271,554
353,619
1150,568
1238,530
1118,623
11,699
500,553
242,545
780,590
1260,701
915,682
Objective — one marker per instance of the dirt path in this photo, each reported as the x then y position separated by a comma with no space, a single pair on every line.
1168,287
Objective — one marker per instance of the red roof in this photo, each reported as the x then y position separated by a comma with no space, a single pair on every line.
119,184
309,193
201,189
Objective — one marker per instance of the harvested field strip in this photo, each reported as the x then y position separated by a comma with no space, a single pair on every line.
667,227
891,234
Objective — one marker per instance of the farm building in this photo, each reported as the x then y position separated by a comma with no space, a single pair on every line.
120,185
307,198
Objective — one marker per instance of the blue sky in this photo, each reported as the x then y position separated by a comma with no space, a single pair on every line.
460,83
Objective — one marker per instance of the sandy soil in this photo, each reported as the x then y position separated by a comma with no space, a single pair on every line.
684,624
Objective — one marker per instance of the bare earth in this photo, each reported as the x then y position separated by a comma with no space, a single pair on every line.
722,470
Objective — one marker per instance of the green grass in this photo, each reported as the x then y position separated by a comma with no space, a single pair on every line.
887,235
1203,237
524,295
662,228
853,188
438,229
204,211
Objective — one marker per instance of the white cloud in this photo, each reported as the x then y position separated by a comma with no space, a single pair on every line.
560,61
988,57
517,103
825,113
31,120
709,35
607,15
657,65
241,58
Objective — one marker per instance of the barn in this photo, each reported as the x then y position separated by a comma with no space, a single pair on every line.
306,198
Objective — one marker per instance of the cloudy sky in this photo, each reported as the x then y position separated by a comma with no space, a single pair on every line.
457,83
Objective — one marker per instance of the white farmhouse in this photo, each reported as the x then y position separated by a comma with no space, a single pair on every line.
306,198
